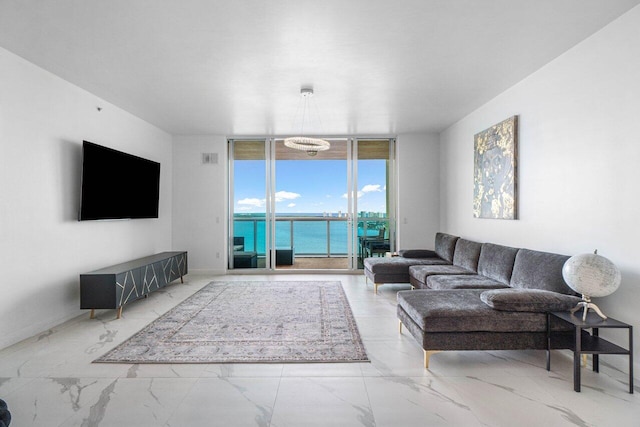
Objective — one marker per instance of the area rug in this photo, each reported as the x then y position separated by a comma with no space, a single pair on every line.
250,322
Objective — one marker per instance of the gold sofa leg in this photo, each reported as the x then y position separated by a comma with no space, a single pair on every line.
400,326
375,287
427,356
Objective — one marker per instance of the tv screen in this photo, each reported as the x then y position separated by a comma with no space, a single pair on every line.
117,185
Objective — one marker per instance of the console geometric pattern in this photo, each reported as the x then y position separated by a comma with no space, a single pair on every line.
115,286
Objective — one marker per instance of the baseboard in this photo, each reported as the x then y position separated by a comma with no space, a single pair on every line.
37,329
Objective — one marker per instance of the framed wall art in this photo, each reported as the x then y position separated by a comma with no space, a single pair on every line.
494,176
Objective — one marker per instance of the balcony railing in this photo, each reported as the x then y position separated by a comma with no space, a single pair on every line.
309,236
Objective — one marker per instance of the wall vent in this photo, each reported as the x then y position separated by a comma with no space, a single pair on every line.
209,158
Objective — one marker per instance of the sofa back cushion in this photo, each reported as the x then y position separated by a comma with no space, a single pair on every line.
445,246
467,254
540,270
496,262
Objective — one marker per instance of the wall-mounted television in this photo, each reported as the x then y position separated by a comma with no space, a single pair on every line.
117,185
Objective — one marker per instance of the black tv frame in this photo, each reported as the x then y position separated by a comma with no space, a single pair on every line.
116,185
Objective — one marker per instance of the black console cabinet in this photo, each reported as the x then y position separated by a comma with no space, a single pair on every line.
113,287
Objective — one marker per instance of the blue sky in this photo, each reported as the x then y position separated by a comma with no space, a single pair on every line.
306,186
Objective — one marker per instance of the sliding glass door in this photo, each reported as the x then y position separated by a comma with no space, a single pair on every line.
248,236
289,210
375,197
311,210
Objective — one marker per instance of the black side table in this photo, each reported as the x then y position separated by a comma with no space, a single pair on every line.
583,343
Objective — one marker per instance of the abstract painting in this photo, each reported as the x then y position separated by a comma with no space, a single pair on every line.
494,192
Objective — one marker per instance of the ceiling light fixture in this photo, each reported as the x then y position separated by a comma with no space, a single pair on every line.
304,143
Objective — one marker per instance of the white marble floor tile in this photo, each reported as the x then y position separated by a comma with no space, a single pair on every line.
140,402
223,370
162,370
227,402
379,328
394,357
602,401
417,401
322,402
53,401
508,400
322,370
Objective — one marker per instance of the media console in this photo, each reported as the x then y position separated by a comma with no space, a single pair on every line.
113,287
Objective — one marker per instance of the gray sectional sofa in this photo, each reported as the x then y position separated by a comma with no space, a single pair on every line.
476,296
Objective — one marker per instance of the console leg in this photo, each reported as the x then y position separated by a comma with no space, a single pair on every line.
93,313
119,313
181,279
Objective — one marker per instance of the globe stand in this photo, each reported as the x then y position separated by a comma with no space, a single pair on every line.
587,304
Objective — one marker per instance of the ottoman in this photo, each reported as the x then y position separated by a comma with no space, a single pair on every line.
245,260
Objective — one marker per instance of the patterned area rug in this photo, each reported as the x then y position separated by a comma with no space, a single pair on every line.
250,322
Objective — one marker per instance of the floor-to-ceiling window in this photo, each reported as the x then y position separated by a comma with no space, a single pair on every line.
374,171
290,210
248,229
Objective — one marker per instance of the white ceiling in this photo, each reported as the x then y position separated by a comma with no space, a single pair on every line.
236,67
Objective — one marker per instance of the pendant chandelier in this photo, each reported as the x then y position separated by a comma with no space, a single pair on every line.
304,143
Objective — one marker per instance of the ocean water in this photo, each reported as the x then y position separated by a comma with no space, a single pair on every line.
309,236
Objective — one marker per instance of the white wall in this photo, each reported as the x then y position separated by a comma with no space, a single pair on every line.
418,190
579,148
200,202
43,248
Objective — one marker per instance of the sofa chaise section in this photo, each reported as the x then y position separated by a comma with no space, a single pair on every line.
396,269
459,320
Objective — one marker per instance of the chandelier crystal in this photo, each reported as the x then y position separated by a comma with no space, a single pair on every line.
310,145
304,143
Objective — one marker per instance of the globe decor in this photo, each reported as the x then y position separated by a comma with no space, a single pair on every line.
591,275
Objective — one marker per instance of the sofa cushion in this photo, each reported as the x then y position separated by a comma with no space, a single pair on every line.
496,262
534,300
539,270
463,311
421,272
467,254
473,281
445,246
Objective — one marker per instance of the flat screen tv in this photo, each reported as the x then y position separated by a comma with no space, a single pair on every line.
117,185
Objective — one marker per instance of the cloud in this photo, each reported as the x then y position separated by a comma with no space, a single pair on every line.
258,203
291,205
286,195
370,188
251,203
360,194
